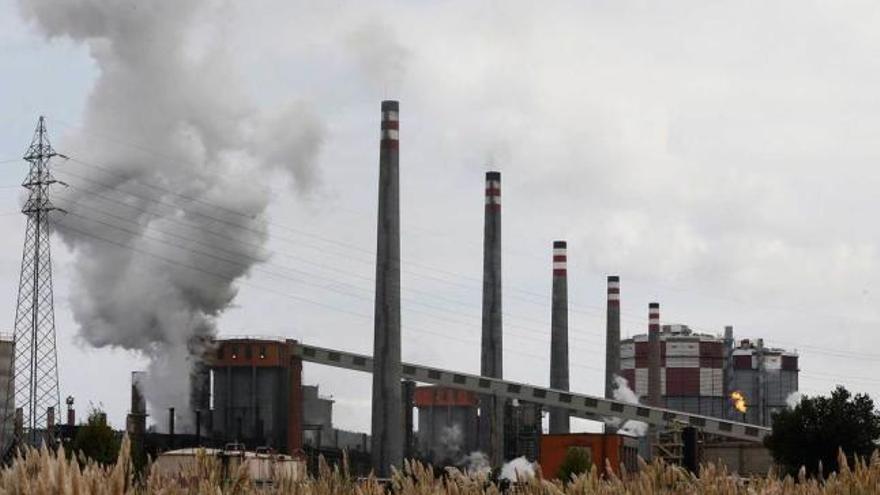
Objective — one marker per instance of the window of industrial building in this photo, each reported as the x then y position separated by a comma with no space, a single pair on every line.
247,352
220,352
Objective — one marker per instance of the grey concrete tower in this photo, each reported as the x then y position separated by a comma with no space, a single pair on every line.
491,407
761,389
559,420
654,355
728,386
387,421
612,336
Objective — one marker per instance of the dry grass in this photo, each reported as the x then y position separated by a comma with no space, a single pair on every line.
44,472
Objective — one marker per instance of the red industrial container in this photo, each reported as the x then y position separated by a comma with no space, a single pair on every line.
613,448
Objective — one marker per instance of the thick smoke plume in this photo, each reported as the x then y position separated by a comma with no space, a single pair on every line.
169,180
625,394
519,469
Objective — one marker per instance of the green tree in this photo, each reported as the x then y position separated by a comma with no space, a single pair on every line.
577,460
96,440
818,427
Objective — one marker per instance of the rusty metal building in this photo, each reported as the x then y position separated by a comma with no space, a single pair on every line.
257,393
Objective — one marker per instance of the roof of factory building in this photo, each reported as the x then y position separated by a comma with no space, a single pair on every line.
255,338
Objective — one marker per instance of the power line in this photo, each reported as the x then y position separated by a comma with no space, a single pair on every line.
598,311
210,273
287,277
177,206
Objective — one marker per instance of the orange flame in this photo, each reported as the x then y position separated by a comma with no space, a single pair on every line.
739,401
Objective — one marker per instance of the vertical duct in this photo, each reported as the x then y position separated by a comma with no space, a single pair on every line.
559,420
387,441
654,357
171,427
761,394
728,373
71,413
408,390
294,401
491,407
612,336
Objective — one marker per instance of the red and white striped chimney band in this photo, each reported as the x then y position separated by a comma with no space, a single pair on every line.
493,189
613,288
390,124
560,258
654,314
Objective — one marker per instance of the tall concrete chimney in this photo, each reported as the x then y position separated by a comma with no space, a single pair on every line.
761,399
728,372
170,427
387,420
612,336
654,355
491,407
559,335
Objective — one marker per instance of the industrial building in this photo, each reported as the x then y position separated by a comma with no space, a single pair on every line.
318,429
257,393
699,371
766,377
448,427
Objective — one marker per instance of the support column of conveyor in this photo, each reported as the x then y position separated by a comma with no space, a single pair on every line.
579,405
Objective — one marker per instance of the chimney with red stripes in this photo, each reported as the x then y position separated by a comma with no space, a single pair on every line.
387,407
491,407
612,336
654,358
559,419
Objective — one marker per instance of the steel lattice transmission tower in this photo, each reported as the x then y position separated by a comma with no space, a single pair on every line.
34,386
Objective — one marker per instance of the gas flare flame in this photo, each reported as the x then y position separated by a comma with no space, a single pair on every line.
739,401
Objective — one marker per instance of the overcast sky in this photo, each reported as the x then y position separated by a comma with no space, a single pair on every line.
723,160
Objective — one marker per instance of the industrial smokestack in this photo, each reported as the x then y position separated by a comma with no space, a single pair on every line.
171,427
137,418
491,407
612,336
387,433
138,404
761,388
654,354
728,386
71,412
559,335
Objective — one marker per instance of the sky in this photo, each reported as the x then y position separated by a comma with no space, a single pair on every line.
720,158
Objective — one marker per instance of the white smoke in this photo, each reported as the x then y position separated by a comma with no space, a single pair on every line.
517,469
793,399
450,440
189,154
623,393
476,464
